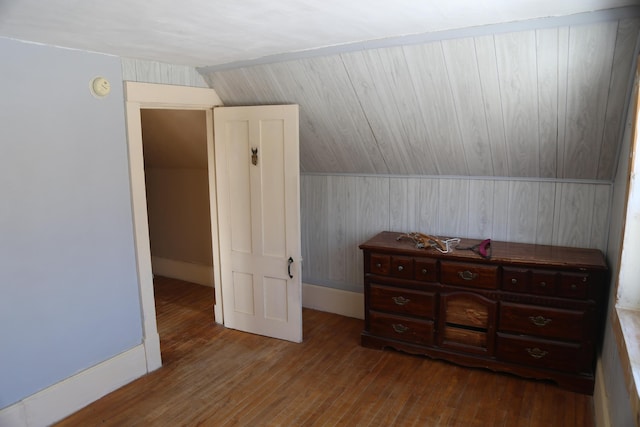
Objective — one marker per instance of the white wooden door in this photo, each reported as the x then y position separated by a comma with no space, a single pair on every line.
259,219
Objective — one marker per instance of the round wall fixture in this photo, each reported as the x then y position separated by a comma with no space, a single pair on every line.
100,87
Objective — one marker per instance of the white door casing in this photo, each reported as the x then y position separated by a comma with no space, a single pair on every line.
259,219
148,95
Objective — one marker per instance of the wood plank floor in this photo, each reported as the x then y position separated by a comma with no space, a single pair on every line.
213,376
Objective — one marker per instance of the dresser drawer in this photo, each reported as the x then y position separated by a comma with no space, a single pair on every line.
401,328
472,275
516,279
426,269
543,282
542,321
380,264
467,309
467,340
566,357
401,267
402,301
574,285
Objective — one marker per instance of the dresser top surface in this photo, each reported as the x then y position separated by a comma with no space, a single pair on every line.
501,252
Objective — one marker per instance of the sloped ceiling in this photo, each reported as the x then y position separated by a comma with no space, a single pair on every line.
174,139
544,103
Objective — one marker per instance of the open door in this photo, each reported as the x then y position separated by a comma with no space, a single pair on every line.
258,182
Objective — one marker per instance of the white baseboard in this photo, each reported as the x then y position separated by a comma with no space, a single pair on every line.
188,271
345,303
69,395
600,400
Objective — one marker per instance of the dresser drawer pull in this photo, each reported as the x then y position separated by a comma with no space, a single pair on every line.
400,268
536,353
399,328
514,281
425,271
401,300
467,275
543,284
539,320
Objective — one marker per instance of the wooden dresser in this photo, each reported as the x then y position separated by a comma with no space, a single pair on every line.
531,310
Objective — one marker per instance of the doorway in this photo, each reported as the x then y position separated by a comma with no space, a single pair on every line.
140,96
177,189
176,180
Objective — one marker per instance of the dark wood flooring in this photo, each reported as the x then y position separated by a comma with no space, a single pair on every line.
213,376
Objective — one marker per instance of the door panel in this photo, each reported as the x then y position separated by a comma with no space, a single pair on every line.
240,186
243,293
275,299
273,180
259,214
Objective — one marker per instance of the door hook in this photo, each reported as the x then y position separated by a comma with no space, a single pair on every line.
289,268
254,156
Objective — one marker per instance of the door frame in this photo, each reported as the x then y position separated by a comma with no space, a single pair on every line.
157,96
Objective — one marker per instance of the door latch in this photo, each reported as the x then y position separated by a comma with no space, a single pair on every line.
254,156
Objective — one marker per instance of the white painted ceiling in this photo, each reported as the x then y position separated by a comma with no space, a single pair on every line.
214,32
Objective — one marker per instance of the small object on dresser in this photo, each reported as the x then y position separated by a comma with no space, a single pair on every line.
423,241
483,248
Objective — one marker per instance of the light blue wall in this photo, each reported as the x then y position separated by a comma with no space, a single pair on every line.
68,282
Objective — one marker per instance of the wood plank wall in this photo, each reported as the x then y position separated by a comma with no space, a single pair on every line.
543,102
341,211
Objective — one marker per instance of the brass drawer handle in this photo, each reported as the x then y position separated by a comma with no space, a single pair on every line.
401,300
399,328
514,281
400,268
467,275
539,320
424,271
536,353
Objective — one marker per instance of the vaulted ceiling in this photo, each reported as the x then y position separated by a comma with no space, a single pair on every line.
466,88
